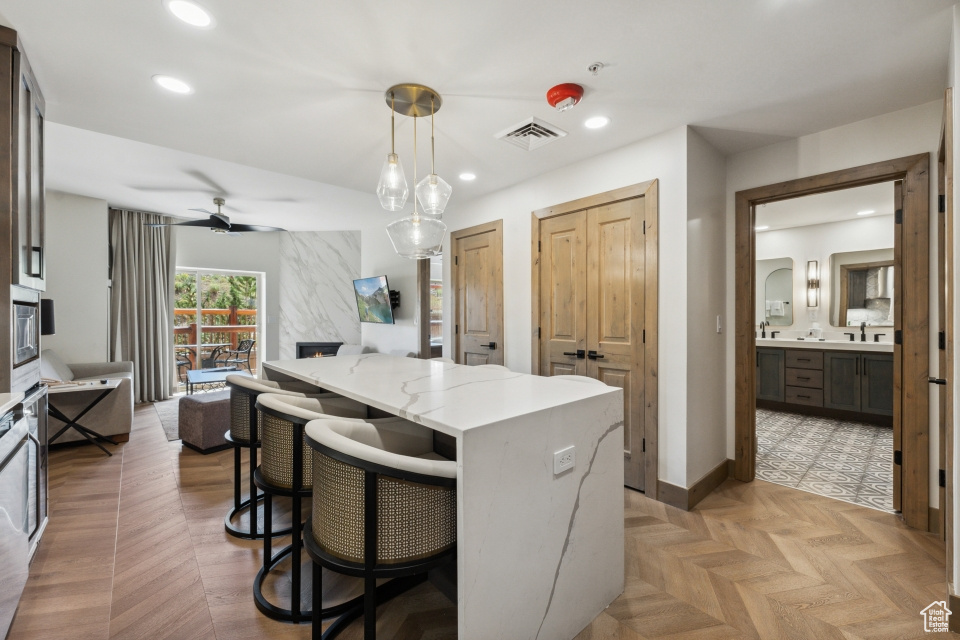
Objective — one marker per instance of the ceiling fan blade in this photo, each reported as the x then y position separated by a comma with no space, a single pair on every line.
160,224
252,227
199,175
209,213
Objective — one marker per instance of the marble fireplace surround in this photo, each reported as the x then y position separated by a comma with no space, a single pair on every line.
539,555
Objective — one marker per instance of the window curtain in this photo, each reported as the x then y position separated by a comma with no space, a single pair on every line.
141,300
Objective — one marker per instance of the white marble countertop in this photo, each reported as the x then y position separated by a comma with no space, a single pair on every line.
9,400
826,345
447,397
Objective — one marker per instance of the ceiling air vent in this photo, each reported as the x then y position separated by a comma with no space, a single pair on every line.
531,134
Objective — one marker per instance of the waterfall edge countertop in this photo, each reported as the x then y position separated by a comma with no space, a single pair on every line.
9,401
451,398
539,554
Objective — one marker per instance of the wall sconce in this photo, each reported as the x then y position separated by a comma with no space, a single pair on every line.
813,284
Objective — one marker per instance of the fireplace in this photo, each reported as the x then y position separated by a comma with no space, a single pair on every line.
317,349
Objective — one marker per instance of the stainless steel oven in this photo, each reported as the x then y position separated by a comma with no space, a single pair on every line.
14,534
34,410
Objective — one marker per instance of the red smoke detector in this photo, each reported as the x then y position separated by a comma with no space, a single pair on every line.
564,96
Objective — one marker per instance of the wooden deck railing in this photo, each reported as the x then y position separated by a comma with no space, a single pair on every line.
240,324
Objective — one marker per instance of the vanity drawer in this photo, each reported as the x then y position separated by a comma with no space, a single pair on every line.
802,395
804,359
810,378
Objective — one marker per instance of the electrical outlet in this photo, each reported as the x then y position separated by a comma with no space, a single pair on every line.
564,459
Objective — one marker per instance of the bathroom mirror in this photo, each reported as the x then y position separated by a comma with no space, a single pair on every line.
775,306
864,288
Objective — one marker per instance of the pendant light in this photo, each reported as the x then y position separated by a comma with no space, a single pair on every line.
392,188
416,236
433,192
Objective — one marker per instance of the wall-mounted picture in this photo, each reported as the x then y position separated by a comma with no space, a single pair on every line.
373,300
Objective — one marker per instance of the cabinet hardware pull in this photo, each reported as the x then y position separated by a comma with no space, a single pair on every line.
802,378
803,359
807,397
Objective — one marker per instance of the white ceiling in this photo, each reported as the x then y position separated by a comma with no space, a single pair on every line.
295,87
827,207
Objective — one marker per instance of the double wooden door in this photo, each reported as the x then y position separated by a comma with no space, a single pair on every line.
592,308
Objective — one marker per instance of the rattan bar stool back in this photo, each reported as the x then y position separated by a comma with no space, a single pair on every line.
384,506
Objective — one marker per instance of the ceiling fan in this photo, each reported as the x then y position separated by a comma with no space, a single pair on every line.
218,222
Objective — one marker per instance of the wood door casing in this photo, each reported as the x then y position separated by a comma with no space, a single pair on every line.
615,316
563,295
478,274
897,349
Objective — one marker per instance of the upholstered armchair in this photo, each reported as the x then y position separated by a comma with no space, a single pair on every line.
112,417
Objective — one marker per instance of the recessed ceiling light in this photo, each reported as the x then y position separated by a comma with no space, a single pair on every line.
190,12
468,176
761,228
866,212
172,84
596,122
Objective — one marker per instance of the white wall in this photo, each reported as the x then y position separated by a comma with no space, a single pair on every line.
892,135
706,300
661,157
77,256
377,258
819,242
202,249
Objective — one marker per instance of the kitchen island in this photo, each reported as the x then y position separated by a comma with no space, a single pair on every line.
539,554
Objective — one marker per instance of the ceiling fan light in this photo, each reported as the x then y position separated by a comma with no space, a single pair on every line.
417,237
392,189
433,192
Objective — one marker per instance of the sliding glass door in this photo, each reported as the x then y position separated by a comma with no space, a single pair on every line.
216,319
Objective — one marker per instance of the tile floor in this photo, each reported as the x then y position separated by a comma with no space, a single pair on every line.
850,461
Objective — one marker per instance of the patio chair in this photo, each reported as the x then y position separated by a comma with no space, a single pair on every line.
239,357
217,358
183,363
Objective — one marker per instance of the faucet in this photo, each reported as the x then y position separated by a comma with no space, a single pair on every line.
863,331
773,334
763,329
852,335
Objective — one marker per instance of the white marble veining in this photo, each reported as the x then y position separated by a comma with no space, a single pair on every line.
538,556
317,303
827,345
9,401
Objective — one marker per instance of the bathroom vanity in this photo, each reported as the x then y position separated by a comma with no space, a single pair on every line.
851,380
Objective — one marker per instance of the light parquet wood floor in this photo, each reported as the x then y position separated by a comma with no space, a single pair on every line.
136,549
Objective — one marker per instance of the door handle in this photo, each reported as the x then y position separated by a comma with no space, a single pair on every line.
593,355
492,345
579,353
937,381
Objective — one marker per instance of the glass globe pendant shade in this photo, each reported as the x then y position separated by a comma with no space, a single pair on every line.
392,188
416,236
433,193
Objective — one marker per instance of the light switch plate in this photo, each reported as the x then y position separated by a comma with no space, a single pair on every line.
564,460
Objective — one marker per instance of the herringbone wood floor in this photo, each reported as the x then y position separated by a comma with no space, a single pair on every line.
136,549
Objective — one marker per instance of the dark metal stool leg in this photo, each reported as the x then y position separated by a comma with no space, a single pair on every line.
240,505
253,491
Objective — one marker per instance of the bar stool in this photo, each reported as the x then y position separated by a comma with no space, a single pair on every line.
244,433
286,469
384,506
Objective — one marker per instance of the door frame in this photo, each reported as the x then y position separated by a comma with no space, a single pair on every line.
912,390
423,308
649,190
455,238
946,228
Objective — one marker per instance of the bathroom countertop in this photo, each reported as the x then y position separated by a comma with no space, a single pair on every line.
826,345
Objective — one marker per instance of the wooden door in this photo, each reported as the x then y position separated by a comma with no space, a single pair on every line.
478,273
592,308
563,295
615,316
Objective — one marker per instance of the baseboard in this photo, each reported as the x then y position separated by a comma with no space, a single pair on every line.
933,521
214,449
953,603
687,499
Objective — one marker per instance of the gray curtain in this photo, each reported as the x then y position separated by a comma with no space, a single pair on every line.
141,300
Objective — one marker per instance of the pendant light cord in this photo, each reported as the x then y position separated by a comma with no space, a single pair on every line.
433,169
393,115
415,213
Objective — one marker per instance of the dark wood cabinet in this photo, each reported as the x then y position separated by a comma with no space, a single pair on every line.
770,374
841,380
876,386
845,384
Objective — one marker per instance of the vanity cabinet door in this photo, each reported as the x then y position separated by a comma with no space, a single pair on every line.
876,393
770,374
841,380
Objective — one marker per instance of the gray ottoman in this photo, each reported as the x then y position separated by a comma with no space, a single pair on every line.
204,419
